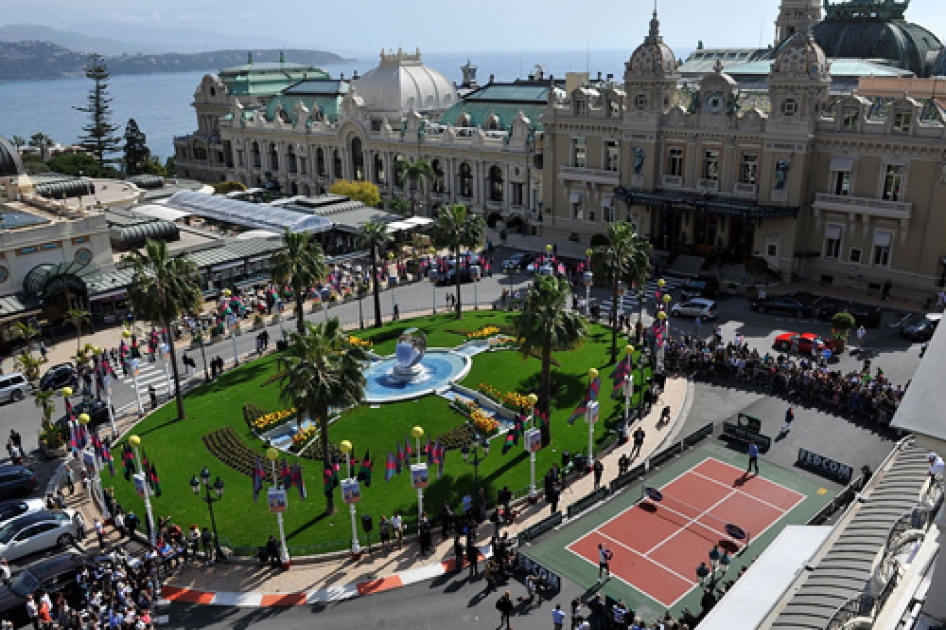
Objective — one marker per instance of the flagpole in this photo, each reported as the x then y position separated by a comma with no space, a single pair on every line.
346,447
628,389
97,485
533,495
135,442
272,454
590,419
418,432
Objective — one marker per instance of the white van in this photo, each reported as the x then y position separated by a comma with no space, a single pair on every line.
13,386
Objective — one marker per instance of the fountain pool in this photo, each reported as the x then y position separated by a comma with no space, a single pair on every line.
437,369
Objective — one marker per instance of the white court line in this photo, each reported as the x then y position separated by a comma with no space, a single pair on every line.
746,494
636,552
696,520
740,490
703,525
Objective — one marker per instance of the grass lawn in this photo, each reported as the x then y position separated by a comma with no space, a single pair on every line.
178,452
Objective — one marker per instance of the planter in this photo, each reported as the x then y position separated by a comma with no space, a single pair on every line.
259,325
316,307
237,331
54,453
195,344
215,338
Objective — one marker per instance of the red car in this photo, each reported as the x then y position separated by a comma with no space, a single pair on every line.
804,343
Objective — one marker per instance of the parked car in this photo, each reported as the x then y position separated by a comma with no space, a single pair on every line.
61,375
53,575
518,261
867,316
16,481
803,343
787,305
696,307
97,410
923,328
37,532
13,386
700,287
10,510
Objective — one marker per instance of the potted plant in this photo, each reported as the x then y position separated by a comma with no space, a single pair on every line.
235,329
51,439
258,323
841,325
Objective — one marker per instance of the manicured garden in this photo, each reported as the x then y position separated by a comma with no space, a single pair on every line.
178,448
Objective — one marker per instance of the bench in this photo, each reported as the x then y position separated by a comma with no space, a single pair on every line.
736,432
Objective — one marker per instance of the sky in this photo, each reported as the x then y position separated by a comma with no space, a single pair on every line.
435,25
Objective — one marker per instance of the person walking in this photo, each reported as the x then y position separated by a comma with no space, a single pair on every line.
576,613
423,535
99,532
696,325
789,419
605,556
153,395
505,607
937,466
753,457
558,617
489,575
599,470
861,335
552,496
639,436
397,525
472,556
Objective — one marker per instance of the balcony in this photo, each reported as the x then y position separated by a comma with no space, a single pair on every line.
672,181
879,208
589,175
740,189
709,185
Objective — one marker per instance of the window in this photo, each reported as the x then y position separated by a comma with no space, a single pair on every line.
612,153
516,194
495,184
771,250
882,240
832,242
574,200
841,183
580,107
615,106
239,157
675,161
850,119
466,180
855,255
789,107
640,102
901,122
579,153
711,164
749,168
609,215
893,182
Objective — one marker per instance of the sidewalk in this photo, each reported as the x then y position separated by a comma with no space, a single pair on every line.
312,580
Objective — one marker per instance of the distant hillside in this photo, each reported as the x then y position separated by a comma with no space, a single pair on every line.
35,60
69,39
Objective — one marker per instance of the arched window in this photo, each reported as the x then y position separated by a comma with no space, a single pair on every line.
292,159
337,172
493,123
320,161
466,180
463,120
380,177
496,184
273,157
438,180
254,151
357,159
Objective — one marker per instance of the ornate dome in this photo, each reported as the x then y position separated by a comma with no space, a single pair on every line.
801,58
938,69
653,57
402,82
10,162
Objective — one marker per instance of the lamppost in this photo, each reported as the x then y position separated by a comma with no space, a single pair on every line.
591,417
359,279
719,564
628,385
432,276
588,279
476,442
272,455
84,420
475,275
203,351
622,291
209,499
418,433
107,386
135,442
640,397
165,351
233,335
533,495
345,448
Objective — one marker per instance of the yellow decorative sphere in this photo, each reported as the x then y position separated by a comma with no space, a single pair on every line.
532,398
96,350
592,373
135,441
628,349
589,252
661,316
667,298
417,432
84,418
272,454
67,392
126,334
548,248
661,283
345,447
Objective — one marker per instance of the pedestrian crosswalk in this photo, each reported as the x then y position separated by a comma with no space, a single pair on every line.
630,304
148,374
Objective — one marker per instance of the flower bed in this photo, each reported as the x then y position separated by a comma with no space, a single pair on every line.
358,342
510,400
270,420
302,437
480,419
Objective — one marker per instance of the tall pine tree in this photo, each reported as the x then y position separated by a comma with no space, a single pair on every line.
99,139
136,151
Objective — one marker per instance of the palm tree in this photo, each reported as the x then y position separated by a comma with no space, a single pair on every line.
162,288
29,365
398,205
322,370
77,317
624,258
415,172
454,227
301,264
42,142
18,141
374,235
27,331
545,325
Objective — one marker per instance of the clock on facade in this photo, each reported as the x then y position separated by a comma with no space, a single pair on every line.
715,102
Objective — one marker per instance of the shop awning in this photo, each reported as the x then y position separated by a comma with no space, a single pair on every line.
419,221
714,205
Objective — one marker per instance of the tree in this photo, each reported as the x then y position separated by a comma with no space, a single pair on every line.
625,258
399,205
170,166
29,365
18,141
415,172
44,400
322,370
365,192
152,166
77,317
161,289
301,264
99,138
42,142
374,235
545,325
136,150
454,228
27,332
75,164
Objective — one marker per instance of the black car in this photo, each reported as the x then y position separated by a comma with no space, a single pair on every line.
867,316
921,329
53,575
701,287
16,481
97,410
790,306
62,375
518,261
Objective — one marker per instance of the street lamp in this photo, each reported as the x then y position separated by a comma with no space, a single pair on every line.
475,274
622,291
418,433
533,495
591,417
346,447
135,442
640,396
133,368
272,455
628,387
476,442
359,279
84,420
209,499
588,279
432,276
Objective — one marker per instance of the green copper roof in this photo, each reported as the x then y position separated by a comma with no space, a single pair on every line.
839,68
479,113
266,79
518,93
328,104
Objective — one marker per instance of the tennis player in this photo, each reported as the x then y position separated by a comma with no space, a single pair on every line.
604,561
753,457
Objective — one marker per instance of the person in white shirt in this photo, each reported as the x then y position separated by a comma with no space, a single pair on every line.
5,572
937,466
397,524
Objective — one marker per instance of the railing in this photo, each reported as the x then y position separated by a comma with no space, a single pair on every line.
711,185
673,181
747,190
863,205
589,175
863,605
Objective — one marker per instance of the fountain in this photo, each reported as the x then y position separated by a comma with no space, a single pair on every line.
414,370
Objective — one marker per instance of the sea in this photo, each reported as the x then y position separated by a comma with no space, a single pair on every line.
161,103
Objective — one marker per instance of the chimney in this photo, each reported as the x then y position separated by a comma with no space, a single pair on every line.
354,75
492,77
610,77
341,76
599,76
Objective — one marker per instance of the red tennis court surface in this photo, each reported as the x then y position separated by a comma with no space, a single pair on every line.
658,546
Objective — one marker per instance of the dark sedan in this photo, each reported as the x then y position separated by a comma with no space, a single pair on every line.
16,481
53,575
923,328
787,305
867,316
62,375
97,410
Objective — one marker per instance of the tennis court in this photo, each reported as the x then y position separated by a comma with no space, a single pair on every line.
657,543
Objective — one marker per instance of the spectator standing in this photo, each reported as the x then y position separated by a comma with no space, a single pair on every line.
558,617
605,556
639,436
753,458
505,607
599,470
397,524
